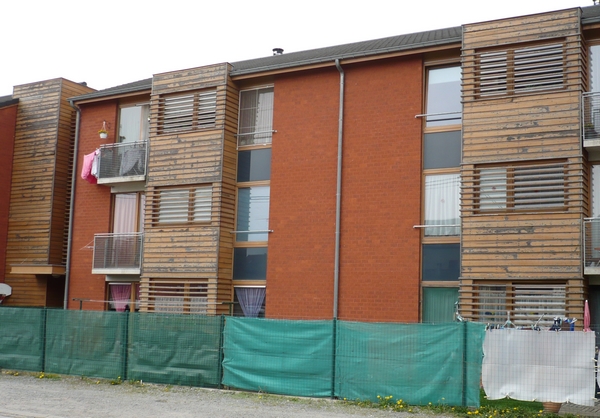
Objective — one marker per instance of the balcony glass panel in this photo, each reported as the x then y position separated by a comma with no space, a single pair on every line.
122,161
119,253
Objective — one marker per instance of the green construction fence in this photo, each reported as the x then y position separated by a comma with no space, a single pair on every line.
418,363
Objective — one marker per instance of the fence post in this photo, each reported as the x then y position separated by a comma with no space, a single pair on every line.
464,364
125,349
333,357
43,327
220,365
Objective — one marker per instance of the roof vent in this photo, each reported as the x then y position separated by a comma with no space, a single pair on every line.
277,51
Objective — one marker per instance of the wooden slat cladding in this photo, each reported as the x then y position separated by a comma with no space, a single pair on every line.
530,28
522,56
517,128
195,297
489,301
524,187
41,170
186,159
180,253
41,182
529,247
191,79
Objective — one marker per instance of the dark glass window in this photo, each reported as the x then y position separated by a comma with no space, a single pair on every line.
441,262
254,165
250,263
442,150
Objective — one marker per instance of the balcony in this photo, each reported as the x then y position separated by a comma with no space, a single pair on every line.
122,163
591,246
591,122
118,253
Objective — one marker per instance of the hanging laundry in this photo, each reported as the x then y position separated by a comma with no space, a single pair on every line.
95,164
86,171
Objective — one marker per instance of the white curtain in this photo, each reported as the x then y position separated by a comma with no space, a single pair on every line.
251,300
442,207
125,219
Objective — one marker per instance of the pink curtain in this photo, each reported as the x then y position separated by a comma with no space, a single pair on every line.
120,295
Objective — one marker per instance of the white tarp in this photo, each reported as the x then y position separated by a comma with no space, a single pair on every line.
545,366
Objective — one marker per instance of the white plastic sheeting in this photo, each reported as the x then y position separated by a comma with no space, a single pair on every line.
545,366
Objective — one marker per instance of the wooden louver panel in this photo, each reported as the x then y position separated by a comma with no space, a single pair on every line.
522,186
188,111
525,303
520,70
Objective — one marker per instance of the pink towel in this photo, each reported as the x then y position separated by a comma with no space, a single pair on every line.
86,171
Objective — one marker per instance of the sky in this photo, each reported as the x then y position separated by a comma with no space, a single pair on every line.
112,42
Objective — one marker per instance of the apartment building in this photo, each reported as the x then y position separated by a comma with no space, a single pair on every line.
389,180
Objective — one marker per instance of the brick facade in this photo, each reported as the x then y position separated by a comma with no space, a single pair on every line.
8,118
92,213
381,194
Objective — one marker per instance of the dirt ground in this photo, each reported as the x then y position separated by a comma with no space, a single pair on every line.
27,395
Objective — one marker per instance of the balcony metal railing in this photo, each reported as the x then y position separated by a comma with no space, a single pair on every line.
591,117
117,253
122,162
591,246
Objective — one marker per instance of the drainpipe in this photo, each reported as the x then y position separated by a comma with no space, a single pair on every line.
71,204
338,196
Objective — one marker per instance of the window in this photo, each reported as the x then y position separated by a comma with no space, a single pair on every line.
255,131
184,205
187,112
254,165
123,296
134,123
441,262
521,70
521,187
439,304
443,96
253,213
442,206
250,263
249,302
442,150
256,116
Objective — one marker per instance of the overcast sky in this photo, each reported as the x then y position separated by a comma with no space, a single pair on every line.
113,42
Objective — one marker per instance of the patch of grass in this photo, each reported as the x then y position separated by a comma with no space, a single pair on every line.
502,408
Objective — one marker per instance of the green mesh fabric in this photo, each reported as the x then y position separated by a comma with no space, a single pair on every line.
175,349
418,363
22,338
284,357
86,343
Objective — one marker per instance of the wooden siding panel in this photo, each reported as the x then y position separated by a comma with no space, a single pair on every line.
522,29
191,79
525,246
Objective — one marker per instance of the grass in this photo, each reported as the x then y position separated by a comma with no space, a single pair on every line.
502,408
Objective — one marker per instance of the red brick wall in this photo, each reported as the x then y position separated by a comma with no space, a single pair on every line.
92,208
8,119
381,188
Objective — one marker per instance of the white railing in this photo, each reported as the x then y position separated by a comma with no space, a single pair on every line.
591,116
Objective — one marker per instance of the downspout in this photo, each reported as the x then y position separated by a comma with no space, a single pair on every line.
338,198
71,205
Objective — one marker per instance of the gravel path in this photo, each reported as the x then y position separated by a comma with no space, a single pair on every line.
28,396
